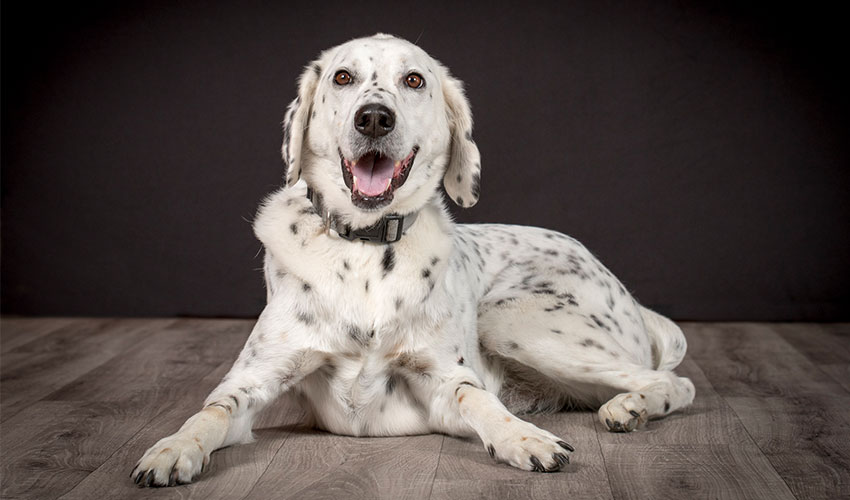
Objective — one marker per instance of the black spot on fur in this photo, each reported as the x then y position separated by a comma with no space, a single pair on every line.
307,319
476,183
460,361
426,273
555,330
469,136
366,286
293,228
391,383
589,342
317,69
374,76
398,303
459,177
513,346
388,262
346,265
434,260
459,201
306,287
666,406
599,322
358,335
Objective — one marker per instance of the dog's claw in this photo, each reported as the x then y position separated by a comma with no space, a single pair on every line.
139,477
634,413
538,466
561,458
566,446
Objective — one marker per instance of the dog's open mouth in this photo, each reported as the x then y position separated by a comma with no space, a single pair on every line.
373,178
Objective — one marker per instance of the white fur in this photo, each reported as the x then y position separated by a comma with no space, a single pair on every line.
452,329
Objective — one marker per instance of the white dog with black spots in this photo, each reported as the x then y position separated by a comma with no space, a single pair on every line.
385,318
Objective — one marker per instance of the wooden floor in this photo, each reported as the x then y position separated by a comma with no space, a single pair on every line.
81,399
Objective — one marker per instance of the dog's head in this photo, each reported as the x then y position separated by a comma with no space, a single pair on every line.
376,125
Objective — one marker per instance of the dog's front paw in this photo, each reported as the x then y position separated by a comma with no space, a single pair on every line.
171,461
625,412
528,447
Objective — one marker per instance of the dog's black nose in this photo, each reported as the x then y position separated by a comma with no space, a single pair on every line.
374,120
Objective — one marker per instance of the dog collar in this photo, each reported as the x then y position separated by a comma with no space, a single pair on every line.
387,230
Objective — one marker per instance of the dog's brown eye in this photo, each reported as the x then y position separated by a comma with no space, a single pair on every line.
342,78
415,81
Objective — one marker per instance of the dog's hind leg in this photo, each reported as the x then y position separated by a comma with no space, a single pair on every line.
650,394
587,365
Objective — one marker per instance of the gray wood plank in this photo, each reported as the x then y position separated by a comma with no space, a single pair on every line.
692,471
313,464
34,370
805,439
51,446
467,471
840,373
15,332
821,343
753,360
160,368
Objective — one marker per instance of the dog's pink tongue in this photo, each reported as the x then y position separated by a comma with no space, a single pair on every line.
373,174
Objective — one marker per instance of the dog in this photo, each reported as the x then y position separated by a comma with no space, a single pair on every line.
385,318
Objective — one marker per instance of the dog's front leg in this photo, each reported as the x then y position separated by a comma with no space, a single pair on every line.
506,437
270,363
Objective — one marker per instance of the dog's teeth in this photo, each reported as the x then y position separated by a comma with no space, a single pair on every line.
389,181
355,182
397,163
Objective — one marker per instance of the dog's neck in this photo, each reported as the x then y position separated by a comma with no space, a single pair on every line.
388,229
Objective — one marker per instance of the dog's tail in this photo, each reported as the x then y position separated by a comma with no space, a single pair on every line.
668,341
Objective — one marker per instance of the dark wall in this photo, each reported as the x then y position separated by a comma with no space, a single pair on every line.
700,151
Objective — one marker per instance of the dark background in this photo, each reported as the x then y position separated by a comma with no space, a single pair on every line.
699,149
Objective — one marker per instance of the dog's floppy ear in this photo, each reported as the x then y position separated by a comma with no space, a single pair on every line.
296,121
463,175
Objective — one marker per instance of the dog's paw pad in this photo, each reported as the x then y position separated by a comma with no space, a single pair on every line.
531,448
624,413
171,461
